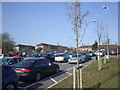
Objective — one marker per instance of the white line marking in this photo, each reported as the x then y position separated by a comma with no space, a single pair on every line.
68,73
57,82
53,80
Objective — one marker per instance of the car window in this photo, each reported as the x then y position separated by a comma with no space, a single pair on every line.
39,62
5,60
47,61
20,59
13,61
26,62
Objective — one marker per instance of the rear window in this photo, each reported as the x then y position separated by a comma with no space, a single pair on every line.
26,62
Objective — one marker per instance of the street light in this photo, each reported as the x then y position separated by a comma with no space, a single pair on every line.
106,8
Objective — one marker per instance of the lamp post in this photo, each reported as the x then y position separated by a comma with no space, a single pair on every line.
106,8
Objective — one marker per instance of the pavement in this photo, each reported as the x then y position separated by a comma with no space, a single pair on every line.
65,71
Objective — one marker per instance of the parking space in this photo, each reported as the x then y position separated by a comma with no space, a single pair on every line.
65,71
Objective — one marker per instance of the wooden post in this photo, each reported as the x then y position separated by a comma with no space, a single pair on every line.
74,78
81,79
99,64
105,59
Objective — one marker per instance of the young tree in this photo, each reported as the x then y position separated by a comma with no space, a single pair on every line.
77,18
7,43
99,32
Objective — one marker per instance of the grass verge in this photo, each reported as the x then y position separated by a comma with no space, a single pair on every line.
92,78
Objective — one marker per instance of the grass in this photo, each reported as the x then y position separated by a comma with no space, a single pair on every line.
92,78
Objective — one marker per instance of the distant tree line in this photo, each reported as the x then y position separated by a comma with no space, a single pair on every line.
6,43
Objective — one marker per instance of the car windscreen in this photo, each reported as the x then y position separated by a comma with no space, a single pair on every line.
26,62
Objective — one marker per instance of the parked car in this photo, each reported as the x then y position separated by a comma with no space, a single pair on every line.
61,57
9,78
11,60
87,55
100,53
14,55
35,68
1,55
113,52
51,57
91,53
74,59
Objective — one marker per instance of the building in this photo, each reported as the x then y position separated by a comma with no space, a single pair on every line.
85,48
24,48
102,47
49,47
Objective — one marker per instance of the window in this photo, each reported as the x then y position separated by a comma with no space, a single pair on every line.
47,61
20,59
13,61
39,62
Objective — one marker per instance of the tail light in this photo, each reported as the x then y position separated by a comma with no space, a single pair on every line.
26,70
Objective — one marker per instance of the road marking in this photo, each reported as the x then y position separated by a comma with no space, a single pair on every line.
57,82
53,80
69,68
68,73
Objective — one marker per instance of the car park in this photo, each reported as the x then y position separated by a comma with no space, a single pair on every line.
11,60
74,59
9,78
61,57
35,68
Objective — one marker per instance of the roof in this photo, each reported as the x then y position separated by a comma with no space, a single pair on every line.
23,45
41,44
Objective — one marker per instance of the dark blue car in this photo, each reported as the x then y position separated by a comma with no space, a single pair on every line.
9,78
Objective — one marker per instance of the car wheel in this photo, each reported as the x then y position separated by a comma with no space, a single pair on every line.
37,77
57,70
10,87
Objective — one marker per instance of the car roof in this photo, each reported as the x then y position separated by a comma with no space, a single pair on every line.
35,58
12,57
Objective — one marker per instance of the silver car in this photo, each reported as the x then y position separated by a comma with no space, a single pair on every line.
74,59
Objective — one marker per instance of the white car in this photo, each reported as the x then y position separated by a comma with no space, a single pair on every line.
1,55
61,57
100,53
74,59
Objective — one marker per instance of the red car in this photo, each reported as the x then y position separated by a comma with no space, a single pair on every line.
113,52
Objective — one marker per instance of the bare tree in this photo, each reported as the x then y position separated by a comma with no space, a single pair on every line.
99,32
79,24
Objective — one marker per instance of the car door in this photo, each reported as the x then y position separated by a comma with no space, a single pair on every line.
40,66
50,69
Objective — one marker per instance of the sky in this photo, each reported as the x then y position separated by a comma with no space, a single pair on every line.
31,23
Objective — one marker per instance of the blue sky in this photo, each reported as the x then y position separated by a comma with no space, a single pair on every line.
31,23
